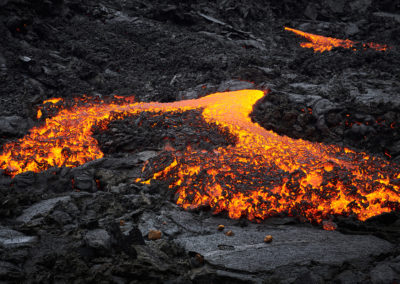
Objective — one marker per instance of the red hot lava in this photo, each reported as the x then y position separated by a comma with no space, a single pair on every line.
322,43
261,175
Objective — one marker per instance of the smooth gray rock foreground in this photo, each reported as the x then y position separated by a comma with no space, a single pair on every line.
291,245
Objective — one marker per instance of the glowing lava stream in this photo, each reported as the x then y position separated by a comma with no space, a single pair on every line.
262,175
322,43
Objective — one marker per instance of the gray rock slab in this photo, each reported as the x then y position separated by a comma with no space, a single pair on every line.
41,208
308,100
150,221
10,238
13,125
146,155
291,245
234,85
245,251
98,238
173,221
376,96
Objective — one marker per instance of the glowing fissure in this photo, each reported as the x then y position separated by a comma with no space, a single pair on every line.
262,175
322,43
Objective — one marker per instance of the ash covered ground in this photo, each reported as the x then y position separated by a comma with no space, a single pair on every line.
97,229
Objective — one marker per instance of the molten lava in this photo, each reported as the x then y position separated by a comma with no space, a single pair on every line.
321,43
262,174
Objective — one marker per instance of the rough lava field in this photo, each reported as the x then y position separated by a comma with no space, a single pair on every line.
119,217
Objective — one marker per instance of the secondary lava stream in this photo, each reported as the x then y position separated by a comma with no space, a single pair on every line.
262,174
322,43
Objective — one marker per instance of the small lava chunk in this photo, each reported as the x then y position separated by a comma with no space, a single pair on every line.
221,227
154,235
230,233
268,239
329,225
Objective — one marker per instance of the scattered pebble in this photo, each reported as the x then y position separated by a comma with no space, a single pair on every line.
268,239
230,233
154,235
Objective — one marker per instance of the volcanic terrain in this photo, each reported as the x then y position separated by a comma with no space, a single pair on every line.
200,141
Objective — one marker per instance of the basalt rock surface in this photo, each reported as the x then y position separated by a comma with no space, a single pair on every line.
92,223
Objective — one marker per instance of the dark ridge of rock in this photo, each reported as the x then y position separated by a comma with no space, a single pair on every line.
365,127
148,131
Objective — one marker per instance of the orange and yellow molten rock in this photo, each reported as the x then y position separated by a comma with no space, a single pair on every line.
261,175
322,43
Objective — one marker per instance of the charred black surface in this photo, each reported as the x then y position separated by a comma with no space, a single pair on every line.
157,131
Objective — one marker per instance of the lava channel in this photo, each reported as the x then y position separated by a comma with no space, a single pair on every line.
263,174
322,43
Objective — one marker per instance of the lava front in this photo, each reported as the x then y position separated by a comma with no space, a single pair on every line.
261,175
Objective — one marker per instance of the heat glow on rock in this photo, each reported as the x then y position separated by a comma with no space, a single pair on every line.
262,175
322,43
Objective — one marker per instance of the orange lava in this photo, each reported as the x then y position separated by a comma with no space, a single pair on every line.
262,175
322,43
329,226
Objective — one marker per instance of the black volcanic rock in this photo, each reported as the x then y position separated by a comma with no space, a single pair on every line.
89,224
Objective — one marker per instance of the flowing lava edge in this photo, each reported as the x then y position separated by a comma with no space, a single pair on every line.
322,43
261,175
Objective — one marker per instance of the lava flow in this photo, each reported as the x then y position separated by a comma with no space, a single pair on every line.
262,174
321,43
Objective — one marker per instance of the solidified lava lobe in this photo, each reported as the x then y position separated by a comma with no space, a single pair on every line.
322,43
261,175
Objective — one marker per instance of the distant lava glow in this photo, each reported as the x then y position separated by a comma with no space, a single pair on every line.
262,175
321,43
